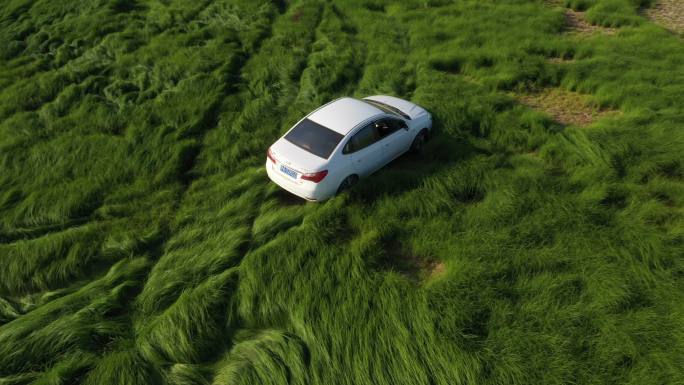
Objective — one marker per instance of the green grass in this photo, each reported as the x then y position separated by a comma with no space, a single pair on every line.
142,243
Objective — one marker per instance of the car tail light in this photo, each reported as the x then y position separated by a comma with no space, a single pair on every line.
316,176
270,156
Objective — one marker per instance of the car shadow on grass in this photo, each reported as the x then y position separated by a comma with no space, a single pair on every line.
287,199
410,170
403,174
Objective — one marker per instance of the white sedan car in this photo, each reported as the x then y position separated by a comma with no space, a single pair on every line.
345,140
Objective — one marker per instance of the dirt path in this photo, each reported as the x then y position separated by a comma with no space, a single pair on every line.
668,13
576,21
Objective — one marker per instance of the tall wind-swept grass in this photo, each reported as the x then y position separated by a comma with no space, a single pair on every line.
142,243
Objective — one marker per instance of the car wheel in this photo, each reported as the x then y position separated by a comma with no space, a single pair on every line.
347,183
418,142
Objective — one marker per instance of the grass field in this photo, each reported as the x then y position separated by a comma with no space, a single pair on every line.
142,243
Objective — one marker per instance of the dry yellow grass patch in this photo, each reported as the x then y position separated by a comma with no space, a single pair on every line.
576,23
566,107
435,269
669,13
560,60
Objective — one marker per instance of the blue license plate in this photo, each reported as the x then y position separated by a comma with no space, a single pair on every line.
288,171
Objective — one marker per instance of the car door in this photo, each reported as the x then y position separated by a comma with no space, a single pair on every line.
365,150
394,137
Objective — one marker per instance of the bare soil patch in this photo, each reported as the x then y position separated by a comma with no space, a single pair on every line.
668,13
566,107
414,267
576,23
435,269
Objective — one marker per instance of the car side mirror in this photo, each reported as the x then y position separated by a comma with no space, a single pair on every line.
405,126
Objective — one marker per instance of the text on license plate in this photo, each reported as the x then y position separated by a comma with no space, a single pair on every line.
288,171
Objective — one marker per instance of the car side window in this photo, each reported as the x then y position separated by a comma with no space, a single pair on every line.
400,124
362,139
388,126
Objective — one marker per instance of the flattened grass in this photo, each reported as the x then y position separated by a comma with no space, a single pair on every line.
142,243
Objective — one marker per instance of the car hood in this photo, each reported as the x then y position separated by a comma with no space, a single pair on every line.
297,158
410,109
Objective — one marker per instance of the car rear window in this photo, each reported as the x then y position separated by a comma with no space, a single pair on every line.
314,138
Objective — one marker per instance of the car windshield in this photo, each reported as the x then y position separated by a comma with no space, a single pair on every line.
314,138
387,108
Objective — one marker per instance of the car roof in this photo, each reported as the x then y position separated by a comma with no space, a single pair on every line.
343,114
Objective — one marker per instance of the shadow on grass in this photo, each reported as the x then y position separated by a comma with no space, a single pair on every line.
410,170
287,199
126,6
405,174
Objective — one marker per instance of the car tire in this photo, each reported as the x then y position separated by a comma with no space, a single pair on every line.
418,142
347,183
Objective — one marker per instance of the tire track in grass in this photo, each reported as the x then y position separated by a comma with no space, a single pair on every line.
205,174
211,117
335,51
277,95
388,67
334,65
281,94
246,129
227,365
332,52
221,230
